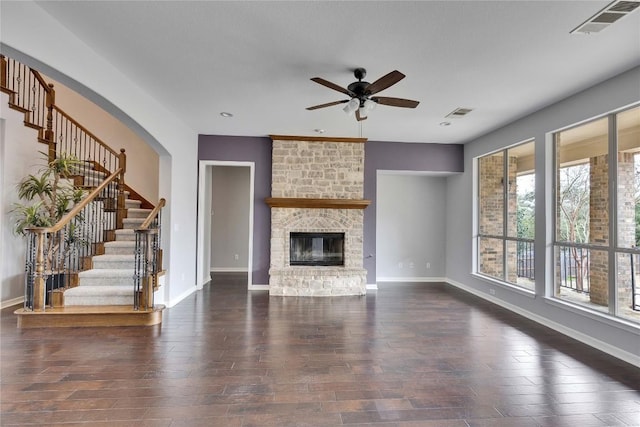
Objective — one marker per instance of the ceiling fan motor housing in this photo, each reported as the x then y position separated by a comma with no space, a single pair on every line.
359,89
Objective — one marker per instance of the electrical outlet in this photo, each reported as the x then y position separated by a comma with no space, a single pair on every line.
492,291
236,257
428,265
400,265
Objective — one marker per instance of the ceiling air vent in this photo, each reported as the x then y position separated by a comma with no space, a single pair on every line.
607,16
459,112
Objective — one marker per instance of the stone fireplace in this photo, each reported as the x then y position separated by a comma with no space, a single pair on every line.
317,187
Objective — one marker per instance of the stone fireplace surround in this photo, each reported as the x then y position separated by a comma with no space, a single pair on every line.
317,186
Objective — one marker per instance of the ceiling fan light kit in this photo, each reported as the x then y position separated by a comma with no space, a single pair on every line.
361,102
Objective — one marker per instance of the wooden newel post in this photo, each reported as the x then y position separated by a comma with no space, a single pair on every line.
48,133
3,71
39,279
121,210
147,291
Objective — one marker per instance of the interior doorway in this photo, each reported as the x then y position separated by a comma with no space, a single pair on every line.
225,220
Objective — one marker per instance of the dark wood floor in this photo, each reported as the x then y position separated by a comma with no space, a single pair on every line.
408,355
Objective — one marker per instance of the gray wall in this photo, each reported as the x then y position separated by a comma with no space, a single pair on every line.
611,94
248,149
395,156
230,217
410,227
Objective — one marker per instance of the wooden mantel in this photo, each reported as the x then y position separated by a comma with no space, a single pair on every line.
292,202
316,138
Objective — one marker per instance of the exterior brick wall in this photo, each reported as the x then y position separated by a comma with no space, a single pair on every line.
491,204
599,229
626,225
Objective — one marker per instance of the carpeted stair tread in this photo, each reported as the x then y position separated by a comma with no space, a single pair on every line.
125,235
107,272
106,277
132,203
132,223
99,290
99,295
138,213
120,247
116,261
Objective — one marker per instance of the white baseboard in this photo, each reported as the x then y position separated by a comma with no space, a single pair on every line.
259,287
11,302
372,286
229,270
631,358
180,297
411,279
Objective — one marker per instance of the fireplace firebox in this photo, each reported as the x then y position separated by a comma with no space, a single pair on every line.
316,249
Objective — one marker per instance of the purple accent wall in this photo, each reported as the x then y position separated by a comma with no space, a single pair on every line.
248,149
400,157
378,156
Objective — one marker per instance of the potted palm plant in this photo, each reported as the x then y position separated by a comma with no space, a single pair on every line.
46,197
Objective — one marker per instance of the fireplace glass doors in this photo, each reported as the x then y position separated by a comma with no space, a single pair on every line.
316,249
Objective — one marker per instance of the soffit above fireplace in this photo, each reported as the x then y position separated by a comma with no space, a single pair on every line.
302,203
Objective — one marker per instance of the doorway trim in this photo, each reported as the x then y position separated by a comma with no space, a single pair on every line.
204,199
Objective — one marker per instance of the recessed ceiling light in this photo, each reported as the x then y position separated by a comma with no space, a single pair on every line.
445,123
319,130
225,114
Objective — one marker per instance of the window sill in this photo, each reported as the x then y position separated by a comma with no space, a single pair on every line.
608,319
505,285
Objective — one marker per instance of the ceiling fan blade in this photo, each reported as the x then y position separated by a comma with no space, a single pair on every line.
395,102
328,104
333,86
359,117
384,82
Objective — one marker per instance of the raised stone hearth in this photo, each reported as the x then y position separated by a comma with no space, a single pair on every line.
317,187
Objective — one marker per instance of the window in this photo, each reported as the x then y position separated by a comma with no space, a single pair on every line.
596,258
506,205
627,283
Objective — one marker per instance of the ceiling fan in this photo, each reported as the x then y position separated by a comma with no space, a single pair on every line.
360,99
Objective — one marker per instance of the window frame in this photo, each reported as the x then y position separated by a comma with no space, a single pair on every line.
505,237
612,247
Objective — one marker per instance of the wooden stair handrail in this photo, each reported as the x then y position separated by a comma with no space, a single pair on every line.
75,122
40,79
152,215
77,208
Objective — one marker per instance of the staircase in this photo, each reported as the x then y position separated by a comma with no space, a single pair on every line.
112,282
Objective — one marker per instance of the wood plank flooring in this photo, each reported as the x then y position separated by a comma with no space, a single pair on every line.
408,355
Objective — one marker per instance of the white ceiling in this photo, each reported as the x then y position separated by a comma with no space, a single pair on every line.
504,59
